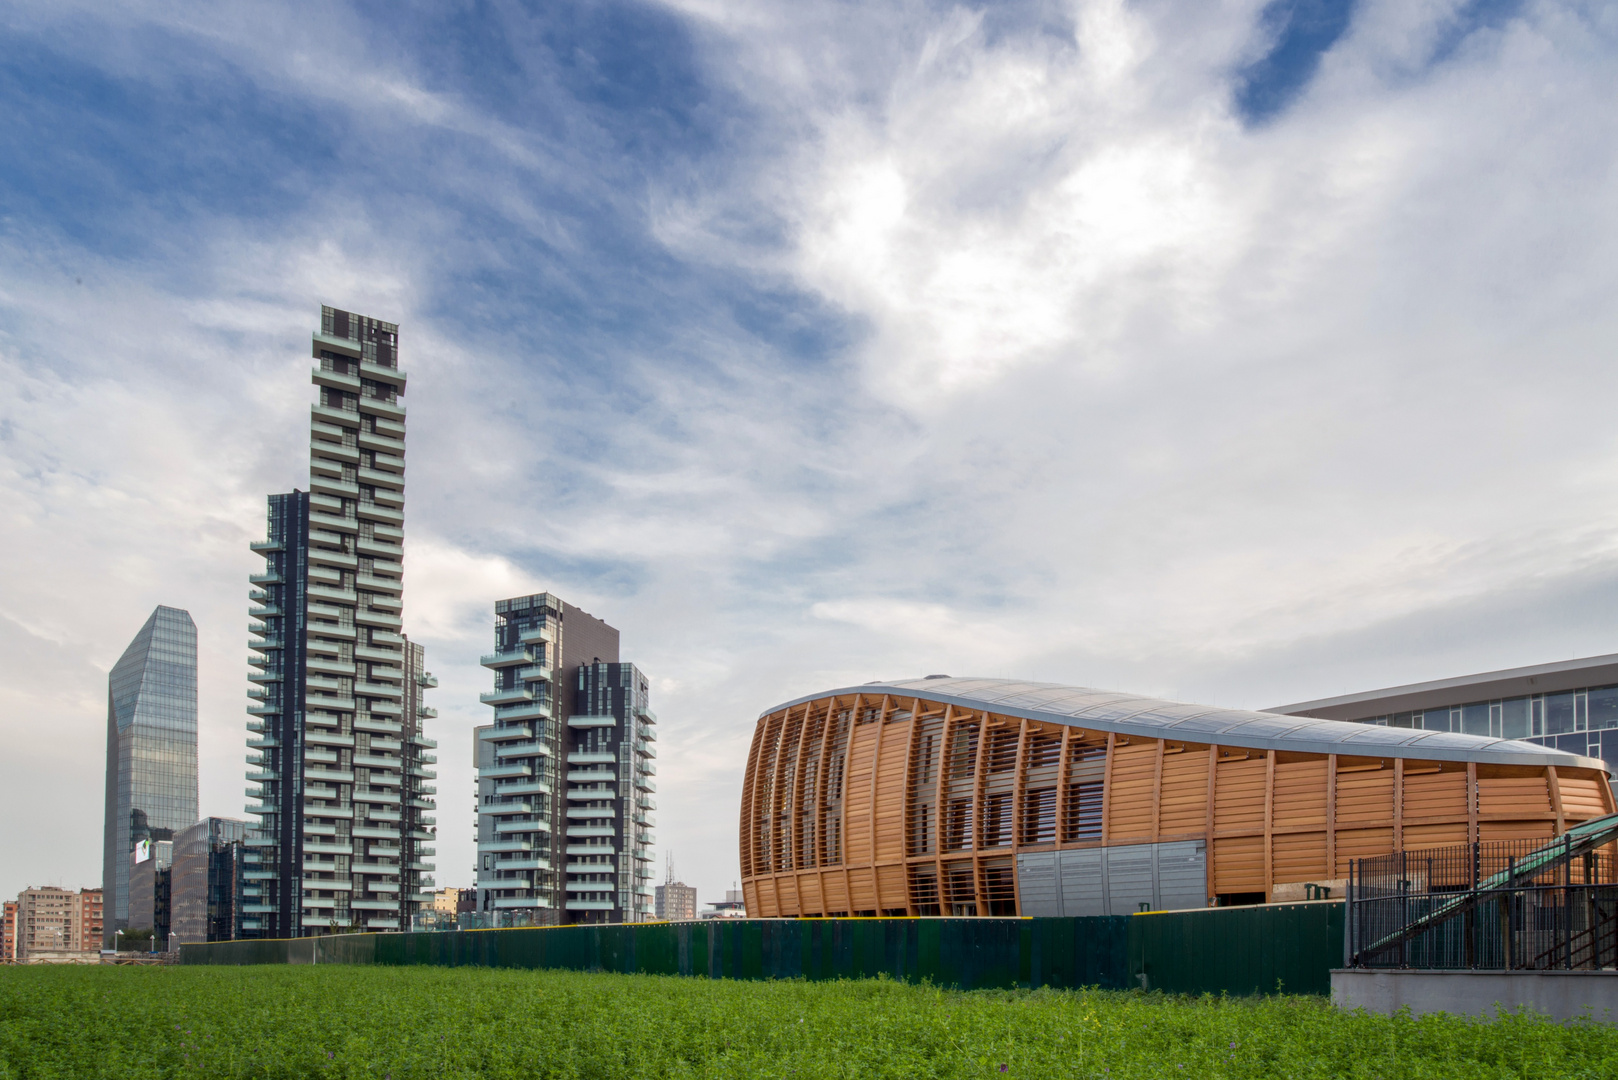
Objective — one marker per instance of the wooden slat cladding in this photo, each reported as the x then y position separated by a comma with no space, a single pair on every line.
1183,806
1129,798
880,804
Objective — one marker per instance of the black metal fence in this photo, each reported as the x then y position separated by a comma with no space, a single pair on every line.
1512,905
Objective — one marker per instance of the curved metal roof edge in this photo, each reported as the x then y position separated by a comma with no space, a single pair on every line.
1286,740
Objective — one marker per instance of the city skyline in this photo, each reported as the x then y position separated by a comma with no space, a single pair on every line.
1166,348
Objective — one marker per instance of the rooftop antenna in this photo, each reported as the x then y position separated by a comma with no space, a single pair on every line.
668,878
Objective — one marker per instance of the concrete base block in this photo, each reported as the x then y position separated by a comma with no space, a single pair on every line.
1562,995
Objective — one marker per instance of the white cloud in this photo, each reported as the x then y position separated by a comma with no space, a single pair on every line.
1131,396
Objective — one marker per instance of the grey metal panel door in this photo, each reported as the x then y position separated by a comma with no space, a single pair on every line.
1036,884
1082,885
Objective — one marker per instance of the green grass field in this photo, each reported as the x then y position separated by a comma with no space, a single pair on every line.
442,1023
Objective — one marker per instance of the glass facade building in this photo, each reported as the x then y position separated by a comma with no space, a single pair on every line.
1570,706
337,754
204,880
151,781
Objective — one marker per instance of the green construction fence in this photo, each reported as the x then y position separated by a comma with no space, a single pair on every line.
1256,950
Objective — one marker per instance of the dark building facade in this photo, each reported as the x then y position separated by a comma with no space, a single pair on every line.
151,780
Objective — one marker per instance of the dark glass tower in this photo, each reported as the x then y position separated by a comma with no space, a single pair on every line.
151,750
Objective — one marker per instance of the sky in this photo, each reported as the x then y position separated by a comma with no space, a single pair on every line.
1240,353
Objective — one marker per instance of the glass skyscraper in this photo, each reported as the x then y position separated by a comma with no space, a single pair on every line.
336,750
151,749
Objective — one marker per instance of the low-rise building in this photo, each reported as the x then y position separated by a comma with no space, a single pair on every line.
675,900
88,918
50,920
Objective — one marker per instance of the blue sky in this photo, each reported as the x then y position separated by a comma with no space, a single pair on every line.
1240,353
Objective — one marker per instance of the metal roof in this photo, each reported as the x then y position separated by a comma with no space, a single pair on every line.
1129,714
1490,685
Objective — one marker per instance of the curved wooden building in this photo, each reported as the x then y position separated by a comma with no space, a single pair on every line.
946,796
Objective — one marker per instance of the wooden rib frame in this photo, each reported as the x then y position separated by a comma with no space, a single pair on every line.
774,826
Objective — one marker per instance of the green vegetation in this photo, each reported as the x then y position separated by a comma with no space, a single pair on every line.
426,1023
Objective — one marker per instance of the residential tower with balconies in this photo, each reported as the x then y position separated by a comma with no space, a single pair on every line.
550,815
338,761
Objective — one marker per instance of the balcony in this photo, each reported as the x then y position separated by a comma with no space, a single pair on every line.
265,546
377,725
427,712
509,658
378,690
507,808
505,845
499,772
492,882
534,748
525,863
591,830
537,634
317,846
645,749
390,586
332,522
592,868
374,832
501,902
376,512
535,673
373,617
512,696
316,737
585,793
587,813
646,714
522,787
603,758
508,733
374,905
502,827
329,776
592,776
389,708
590,905
386,443
538,710
592,721
325,485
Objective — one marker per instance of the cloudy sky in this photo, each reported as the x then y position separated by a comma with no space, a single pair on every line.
1237,352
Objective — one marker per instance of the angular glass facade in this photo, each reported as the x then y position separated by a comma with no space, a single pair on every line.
151,783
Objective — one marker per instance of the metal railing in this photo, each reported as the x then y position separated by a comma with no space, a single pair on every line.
1511,905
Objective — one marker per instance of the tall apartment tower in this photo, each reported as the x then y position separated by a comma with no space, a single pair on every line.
336,743
560,838
151,750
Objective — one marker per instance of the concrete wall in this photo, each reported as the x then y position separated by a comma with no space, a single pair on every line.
1564,995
